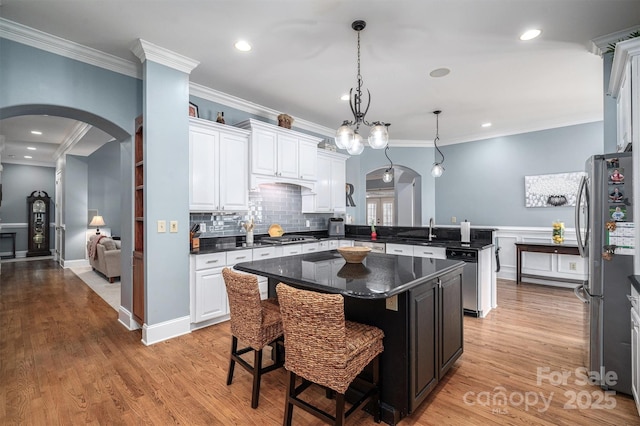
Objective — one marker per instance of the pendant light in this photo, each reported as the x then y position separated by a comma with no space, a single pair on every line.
347,135
437,169
387,176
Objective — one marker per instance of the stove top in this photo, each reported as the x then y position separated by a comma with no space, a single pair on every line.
287,239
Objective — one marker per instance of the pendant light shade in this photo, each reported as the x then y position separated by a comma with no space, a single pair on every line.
437,170
347,134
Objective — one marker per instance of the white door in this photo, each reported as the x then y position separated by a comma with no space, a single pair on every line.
263,152
211,294
380,211
323,185
308,160
338,185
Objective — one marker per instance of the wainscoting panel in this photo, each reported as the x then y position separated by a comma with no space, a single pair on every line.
551,265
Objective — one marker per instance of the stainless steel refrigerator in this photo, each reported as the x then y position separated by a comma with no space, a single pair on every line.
604,227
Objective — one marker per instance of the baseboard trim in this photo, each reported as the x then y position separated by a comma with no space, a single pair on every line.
166,330
126,318
66,264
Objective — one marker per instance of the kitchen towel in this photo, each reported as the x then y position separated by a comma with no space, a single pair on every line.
465,232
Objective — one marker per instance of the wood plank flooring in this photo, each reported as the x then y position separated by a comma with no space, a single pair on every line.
64,359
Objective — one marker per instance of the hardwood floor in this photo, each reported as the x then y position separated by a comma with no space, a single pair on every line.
64,359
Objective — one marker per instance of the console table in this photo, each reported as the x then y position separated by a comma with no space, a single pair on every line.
543,248
11,235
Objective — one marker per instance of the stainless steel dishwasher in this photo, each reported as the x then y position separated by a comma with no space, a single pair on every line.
376,247
469,278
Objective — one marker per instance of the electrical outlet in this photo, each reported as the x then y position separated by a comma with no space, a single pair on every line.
453,219
308,224
203,227
572,266
173,226
392,303
162,226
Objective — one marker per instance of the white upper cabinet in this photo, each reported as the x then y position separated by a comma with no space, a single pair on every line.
218,167
331,179
623,86
281,155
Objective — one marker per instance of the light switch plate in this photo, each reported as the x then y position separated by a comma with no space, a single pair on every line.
162,226
173,226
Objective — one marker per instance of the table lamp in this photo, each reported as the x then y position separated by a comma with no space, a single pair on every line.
97,221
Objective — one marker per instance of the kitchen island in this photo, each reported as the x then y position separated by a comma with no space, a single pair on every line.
416,301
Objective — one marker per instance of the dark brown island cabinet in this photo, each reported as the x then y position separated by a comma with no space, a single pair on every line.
417,302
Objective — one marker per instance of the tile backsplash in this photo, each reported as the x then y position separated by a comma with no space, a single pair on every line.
274,203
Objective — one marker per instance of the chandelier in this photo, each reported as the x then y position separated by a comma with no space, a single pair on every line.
437,169
348,134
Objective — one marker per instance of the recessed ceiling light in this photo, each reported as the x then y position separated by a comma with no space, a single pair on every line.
31,148
486,124
345,97
242,46
36,132
439,72
530,35
28,156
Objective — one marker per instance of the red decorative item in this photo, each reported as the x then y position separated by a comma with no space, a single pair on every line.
374,236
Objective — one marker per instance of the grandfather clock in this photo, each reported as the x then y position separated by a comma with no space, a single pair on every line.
38,207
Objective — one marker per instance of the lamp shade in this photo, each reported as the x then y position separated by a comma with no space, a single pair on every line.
436,170
97,221
357,146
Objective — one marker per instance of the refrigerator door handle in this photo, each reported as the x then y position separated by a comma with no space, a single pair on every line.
583,194
579,291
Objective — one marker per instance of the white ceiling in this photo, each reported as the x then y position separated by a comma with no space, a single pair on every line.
304,56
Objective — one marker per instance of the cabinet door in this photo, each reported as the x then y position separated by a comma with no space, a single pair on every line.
234,172
203,188
450,289
263,152
323,185
308,160
423,342
287,156
211,294
338,185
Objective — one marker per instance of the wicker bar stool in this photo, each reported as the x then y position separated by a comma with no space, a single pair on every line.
325,349
254,322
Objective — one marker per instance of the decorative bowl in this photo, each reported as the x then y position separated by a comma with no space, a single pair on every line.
354,254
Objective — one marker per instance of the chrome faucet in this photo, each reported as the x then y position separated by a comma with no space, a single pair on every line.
431,225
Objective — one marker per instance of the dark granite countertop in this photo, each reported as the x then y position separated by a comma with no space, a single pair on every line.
635,281
379,276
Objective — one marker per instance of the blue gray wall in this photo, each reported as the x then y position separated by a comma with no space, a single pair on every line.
18,182
484,180
104,185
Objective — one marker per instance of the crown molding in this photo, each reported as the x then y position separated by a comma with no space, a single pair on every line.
146,51
76,134
624,50
53,44
253,108
600,44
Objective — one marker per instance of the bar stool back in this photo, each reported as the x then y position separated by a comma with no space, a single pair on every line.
325,349
254,322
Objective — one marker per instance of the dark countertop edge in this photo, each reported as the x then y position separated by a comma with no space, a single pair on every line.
371,296
635,281
390,240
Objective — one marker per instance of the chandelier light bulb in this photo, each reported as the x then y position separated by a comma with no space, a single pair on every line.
344,136
379,136
357,146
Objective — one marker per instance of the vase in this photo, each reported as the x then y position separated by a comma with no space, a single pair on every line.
557,235
249,238
374,235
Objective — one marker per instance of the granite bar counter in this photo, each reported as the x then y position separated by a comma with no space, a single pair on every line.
416,301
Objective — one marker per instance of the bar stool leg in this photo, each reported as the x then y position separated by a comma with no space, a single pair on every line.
257,371
339,409
232,362
288,406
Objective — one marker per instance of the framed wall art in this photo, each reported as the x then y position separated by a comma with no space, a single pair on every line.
193,110
554,190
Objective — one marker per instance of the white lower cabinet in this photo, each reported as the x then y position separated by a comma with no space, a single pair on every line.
635,346
208,292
